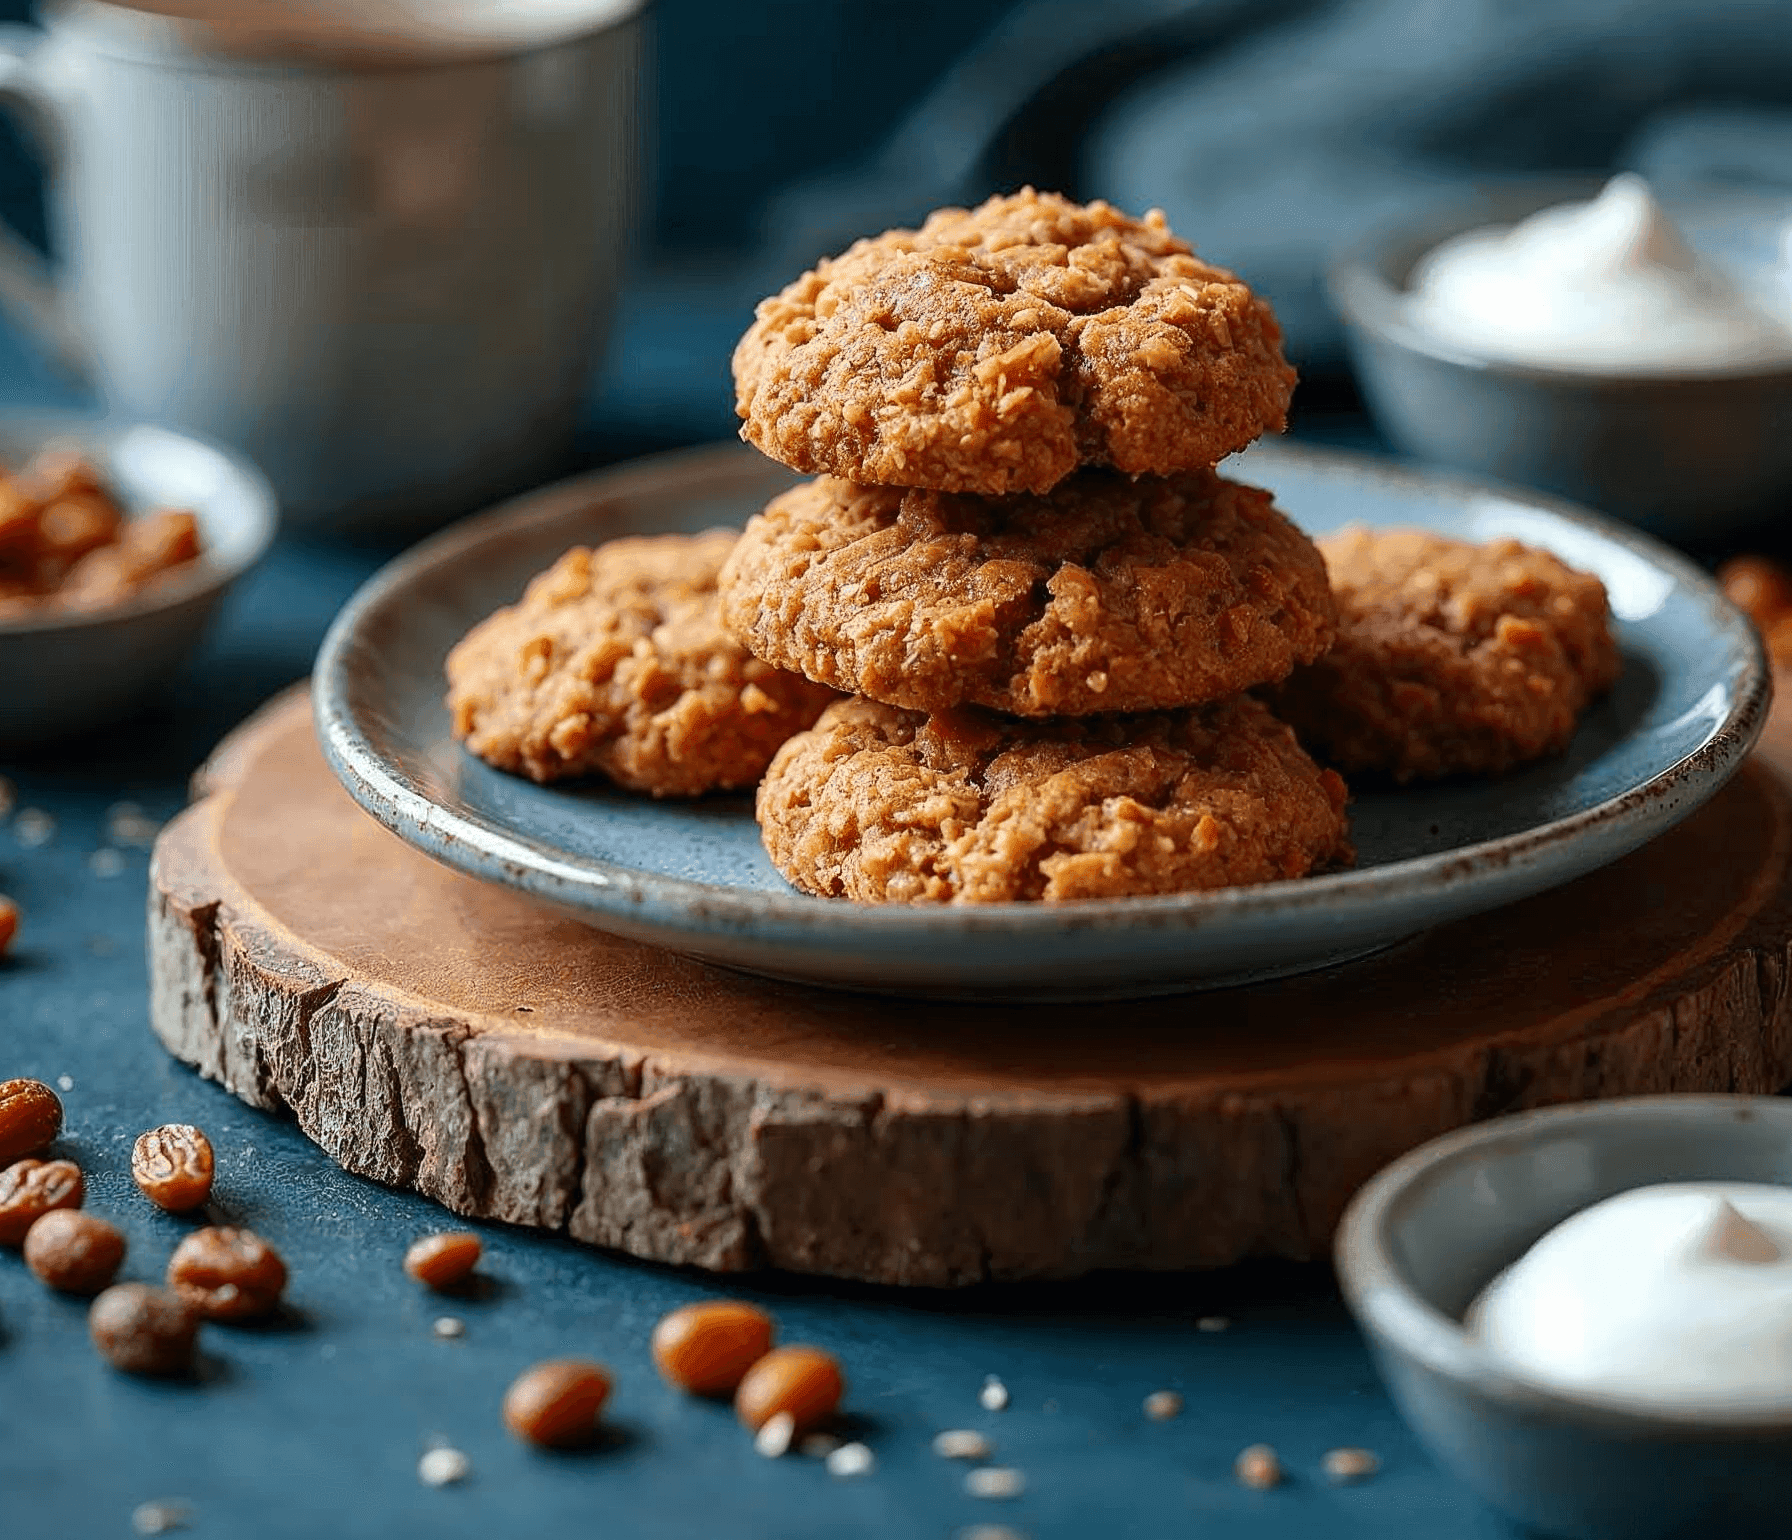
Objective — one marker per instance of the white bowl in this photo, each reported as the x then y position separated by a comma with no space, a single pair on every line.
64,671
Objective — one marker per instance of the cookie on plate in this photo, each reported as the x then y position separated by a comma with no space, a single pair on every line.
1106,594
615,662
996,349
1451,658
883,805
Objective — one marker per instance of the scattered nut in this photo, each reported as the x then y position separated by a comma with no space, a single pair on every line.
159,1518
29,1189
1343,1465
557,1404
30,1112
773,1440
1258,1468
227,1274
995,1481
173,1165
803,1381
989,1532
143,1330
961,1444
994,1395
1213,1323
33,828
450,1326
708,1349
1760,588
443,1467
851,1460
1162,1405
75,1252
442,1261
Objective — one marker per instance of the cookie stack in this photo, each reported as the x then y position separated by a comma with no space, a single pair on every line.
1018,560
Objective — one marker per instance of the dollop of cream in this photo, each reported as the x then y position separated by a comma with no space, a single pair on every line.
1675,1297
1603,287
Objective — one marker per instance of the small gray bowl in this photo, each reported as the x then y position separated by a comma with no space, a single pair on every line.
1694,457
62,672
1423,1238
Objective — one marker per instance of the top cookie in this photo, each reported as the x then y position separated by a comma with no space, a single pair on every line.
994,350
614,661
1451,658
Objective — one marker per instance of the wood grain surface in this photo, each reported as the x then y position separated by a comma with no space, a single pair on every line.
435,1033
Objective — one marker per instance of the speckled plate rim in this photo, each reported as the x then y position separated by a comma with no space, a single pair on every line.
684,914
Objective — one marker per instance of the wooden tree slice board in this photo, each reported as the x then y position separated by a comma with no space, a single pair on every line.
435,1033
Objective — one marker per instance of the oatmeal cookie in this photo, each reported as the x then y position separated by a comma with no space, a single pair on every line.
996,349
1106,594
882,805
1451,658
615,662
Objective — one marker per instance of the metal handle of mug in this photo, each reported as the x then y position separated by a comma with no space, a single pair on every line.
30,294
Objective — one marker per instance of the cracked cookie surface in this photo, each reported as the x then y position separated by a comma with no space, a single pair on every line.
995,349
1451,658
882,805
1106,594
614,662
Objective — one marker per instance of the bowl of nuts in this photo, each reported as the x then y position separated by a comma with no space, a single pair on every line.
117,542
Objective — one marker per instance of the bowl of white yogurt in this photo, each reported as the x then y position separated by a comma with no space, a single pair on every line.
1629,350
1585,1312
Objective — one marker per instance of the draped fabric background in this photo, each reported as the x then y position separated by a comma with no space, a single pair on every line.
1272,131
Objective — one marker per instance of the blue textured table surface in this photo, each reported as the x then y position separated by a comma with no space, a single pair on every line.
314,1426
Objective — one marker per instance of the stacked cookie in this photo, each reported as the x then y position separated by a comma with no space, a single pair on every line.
1018,558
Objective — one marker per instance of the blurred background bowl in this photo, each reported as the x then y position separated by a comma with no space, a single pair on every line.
63,672
1427,1234
1695,458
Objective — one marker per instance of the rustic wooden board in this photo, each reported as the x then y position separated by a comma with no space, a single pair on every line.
431,1032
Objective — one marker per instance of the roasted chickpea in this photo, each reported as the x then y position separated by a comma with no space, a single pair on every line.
30,1112
74,1252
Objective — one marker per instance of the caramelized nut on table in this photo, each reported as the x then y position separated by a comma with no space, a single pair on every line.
557,1404
9,923
76,1252
173,1165
226,1274
804,1382
143,1330
29,1189
30,1113
442,1261
707,1349
1760,588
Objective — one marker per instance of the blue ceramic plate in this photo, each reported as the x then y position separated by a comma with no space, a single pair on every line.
692,876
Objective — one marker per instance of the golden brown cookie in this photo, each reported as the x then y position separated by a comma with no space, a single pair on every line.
888,806
1106,594
995,349
1451,658
615,662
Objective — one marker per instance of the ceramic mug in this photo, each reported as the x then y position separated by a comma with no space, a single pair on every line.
383,275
